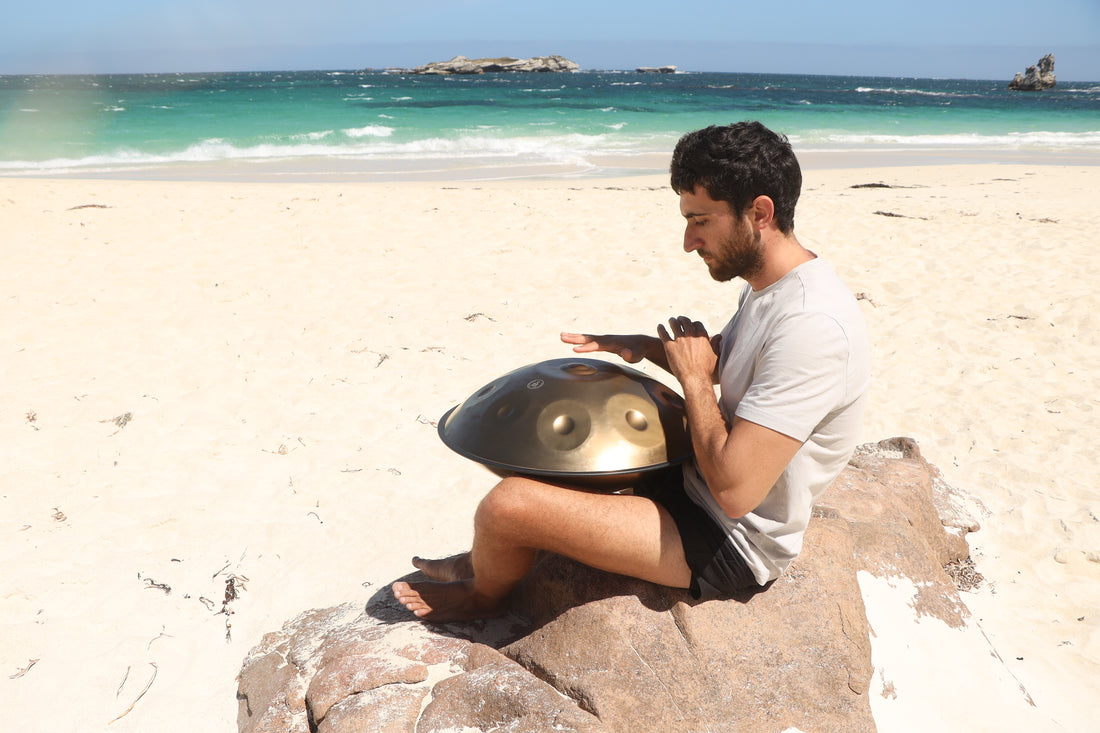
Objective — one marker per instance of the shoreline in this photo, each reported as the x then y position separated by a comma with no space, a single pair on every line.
599,167
224,381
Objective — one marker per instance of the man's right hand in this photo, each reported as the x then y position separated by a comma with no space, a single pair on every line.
630,349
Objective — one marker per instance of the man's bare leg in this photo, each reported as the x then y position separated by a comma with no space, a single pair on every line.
629,535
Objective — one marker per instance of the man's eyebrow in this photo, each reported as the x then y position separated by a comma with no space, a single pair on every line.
693,214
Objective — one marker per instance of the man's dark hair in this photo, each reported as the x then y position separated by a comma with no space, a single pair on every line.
736,163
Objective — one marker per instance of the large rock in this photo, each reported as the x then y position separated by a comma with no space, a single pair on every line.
1036,78
463,65
589,651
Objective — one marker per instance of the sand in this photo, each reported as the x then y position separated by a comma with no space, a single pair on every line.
218,406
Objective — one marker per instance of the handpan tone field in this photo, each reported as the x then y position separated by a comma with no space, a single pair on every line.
577,421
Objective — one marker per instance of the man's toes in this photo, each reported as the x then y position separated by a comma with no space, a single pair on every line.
404,593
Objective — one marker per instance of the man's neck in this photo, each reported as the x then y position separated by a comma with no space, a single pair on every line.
782,254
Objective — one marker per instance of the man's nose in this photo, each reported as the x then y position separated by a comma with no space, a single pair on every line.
691,242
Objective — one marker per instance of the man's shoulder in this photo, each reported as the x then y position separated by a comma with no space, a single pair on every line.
809,296
824,313
821,290
818,275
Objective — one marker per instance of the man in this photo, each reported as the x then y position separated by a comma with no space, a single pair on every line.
793,369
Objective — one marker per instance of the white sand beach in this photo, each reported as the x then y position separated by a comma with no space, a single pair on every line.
218,400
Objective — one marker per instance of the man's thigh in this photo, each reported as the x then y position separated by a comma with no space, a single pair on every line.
629,535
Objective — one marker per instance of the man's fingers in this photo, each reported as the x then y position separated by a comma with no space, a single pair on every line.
582,342
684,326
576,338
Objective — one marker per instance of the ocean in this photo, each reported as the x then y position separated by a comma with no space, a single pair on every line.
327,125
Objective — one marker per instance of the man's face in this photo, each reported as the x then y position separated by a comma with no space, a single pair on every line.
727,243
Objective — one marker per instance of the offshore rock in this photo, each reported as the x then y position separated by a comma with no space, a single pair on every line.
463,65
589,651
1036,78
656,69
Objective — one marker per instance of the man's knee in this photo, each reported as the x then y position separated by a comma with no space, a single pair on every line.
507,504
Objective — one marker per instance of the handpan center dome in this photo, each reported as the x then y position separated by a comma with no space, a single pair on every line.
578,421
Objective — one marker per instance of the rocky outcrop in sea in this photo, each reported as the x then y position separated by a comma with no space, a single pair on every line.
1036,78
463,65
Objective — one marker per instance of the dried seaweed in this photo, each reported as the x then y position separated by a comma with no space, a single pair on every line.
23,670
964,574
140,695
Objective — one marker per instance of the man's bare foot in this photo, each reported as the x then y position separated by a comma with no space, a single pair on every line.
448,569
443,602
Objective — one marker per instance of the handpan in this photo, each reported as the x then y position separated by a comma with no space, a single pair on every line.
580,422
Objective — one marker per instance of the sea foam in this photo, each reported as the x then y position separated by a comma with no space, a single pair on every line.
369,131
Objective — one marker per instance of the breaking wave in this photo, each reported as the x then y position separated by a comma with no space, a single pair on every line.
363,144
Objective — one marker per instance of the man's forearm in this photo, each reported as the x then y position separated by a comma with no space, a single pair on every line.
709,432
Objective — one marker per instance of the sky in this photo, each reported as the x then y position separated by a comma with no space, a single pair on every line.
973,39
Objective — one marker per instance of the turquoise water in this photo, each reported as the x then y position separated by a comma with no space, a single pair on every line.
573,124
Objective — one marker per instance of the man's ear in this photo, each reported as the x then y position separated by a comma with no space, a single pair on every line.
762,212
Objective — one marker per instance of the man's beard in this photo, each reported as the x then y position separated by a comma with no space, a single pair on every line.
739,255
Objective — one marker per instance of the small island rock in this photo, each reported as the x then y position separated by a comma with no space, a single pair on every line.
1036,78
463,65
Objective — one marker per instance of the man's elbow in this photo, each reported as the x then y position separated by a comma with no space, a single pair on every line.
734,502
735,511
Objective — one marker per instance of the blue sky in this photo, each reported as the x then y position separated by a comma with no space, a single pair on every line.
976,39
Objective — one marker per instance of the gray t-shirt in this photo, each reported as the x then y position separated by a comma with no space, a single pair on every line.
795,358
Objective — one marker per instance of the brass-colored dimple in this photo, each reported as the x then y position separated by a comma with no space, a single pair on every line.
563,425
579,369
636,420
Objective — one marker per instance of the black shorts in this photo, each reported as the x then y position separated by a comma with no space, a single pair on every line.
717,567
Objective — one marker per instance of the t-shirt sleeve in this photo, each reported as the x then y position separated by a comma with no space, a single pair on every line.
800,376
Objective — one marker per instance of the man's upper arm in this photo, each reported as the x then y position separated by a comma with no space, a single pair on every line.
759,455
